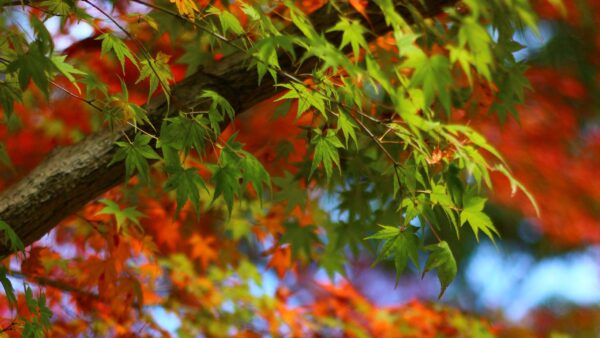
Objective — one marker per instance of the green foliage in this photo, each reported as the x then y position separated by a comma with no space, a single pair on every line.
401,243
130,214
473,213
326,152
228,21
158,72
219,109
306,98
432,74
186,183
226,178
9,291
289,192
478,40
9,94
352,33
136,155
67,69
118,47
254,173
237,168
119,109
266,57
301,238
348,128
182,133
441,259
58,7
40,320
33,65
10,237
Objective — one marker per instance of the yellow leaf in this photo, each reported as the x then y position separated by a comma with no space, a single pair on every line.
186,8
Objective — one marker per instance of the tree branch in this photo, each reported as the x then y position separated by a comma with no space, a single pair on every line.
56,284
74,175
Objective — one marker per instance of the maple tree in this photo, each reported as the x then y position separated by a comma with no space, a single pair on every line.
187,147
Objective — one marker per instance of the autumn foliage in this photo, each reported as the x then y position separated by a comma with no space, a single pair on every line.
255,266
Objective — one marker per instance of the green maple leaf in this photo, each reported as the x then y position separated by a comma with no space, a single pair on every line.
265,52
474,35
121,215
406,246
333,261
441,259
432,74
511,83
9,94
388,244
218,109
183,133
306,98
118,47
9,291
401,244
254,173
33,65
228,21
187,184
58,7
326,152
40,322
386,232
157,70
353,34
136,155
347,127
473,213
378,76
290,192
300,238
67,69
439,195
227,183
10,237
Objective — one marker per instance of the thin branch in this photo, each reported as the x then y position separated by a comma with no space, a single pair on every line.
292,77
56,284
435,234
78,97
145,51
374,138
9,327
220,37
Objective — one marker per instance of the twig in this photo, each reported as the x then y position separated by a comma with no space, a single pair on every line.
145,51
59,285
81,98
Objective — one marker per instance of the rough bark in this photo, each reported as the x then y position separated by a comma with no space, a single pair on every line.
74,175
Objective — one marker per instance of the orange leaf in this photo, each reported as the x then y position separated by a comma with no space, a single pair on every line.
361,7
201,249
281,260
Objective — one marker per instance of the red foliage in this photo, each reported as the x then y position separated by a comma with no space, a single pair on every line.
553,153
